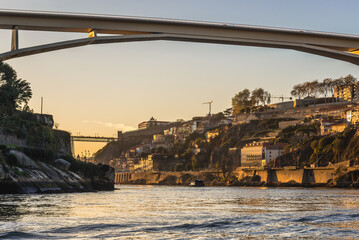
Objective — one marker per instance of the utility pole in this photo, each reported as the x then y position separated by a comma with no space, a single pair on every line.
209,105
42,103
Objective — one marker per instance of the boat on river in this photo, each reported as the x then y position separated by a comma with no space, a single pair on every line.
197,183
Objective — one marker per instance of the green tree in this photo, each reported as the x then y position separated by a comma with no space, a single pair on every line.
14,92
337,148
241,100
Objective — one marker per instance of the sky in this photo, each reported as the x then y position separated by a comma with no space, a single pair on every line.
99,90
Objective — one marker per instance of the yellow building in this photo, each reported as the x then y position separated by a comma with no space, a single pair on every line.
337,128
346,92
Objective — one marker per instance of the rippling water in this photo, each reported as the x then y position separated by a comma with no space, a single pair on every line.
162,212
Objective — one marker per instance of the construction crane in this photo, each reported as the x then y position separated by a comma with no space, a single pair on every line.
210,105
289,98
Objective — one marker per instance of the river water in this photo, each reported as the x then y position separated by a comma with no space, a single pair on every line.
163,212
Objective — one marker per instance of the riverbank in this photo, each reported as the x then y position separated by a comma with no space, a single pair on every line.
281,177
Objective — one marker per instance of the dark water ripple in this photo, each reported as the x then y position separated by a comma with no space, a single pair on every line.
147,212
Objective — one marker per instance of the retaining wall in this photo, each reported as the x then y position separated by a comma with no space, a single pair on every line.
304,177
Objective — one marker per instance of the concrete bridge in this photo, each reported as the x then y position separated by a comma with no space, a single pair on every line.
342,47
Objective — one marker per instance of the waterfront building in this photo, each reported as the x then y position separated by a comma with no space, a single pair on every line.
152,123
257,154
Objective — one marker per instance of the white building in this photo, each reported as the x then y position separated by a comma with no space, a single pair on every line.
258,154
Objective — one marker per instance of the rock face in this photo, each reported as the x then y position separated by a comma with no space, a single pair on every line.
62,164
22,160
21,174
2,172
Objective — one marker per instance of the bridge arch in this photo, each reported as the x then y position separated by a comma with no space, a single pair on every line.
342,47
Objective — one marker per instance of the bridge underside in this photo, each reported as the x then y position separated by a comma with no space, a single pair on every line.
129,29
316,50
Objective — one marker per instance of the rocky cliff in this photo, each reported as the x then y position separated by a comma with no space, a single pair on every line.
21,174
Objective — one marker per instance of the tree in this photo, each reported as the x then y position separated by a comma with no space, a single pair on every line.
218,117
222,160
314,88
267,98
14,92
349,79
327,87
338,82
296,91
241,100
228,112
257,96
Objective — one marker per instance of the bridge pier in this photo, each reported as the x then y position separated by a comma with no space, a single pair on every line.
15,38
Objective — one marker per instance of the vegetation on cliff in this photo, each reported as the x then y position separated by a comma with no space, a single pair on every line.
35,162
16,118
320,150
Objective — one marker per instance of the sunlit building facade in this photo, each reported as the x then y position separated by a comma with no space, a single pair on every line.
257,154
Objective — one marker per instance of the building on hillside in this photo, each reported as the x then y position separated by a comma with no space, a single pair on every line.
257,154
152,123
158,138
143,165
351,116
181,133
146,148
338,127
225,121
329,126
130,152
348,92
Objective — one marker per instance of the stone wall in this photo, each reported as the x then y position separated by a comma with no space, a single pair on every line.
145,132
64,141
12,140
45,119
62,137
306,176
162,178
273,177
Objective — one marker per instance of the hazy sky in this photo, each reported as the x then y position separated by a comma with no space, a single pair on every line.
104,88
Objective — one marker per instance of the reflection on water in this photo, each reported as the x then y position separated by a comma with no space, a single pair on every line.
152,212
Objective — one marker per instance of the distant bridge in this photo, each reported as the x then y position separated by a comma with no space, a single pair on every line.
92,139
89,139
344,47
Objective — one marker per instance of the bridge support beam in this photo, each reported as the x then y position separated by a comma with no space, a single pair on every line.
73,147
15,38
